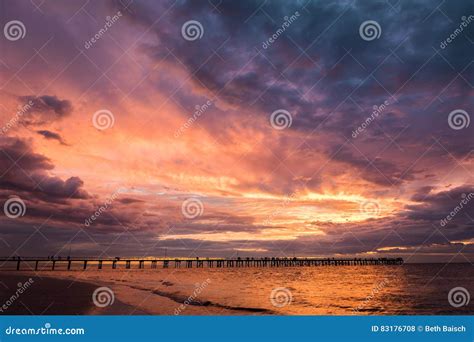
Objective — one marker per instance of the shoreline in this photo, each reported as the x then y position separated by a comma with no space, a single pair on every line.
411,289
58,293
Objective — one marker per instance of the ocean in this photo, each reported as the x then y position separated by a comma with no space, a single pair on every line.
410,289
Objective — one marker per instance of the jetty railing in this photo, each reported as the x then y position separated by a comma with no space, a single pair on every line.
57,263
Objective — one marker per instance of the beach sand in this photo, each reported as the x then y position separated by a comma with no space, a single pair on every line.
52,296
70,293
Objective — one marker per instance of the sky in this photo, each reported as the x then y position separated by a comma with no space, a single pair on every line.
237,128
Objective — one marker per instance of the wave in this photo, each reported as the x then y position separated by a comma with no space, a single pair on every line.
181,299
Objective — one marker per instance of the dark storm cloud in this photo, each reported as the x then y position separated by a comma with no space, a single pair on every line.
325,74
58,240
52,136
129,200
247,32
320,70
400,233
421,193
23,170
44,109
378,171
434,207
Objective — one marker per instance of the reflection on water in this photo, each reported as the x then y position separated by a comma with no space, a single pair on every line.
345,290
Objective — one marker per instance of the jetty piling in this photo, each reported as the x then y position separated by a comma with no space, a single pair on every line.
154,263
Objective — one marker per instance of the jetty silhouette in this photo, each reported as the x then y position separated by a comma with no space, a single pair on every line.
52,263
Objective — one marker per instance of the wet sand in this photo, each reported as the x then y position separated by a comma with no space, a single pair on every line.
53,296
70,293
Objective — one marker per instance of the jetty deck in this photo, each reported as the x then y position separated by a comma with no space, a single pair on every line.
39,264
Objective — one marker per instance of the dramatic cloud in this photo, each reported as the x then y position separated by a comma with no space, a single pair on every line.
51,135
24,171
455,203
369,158
44,109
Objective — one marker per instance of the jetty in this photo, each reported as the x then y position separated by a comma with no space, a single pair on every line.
68,263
